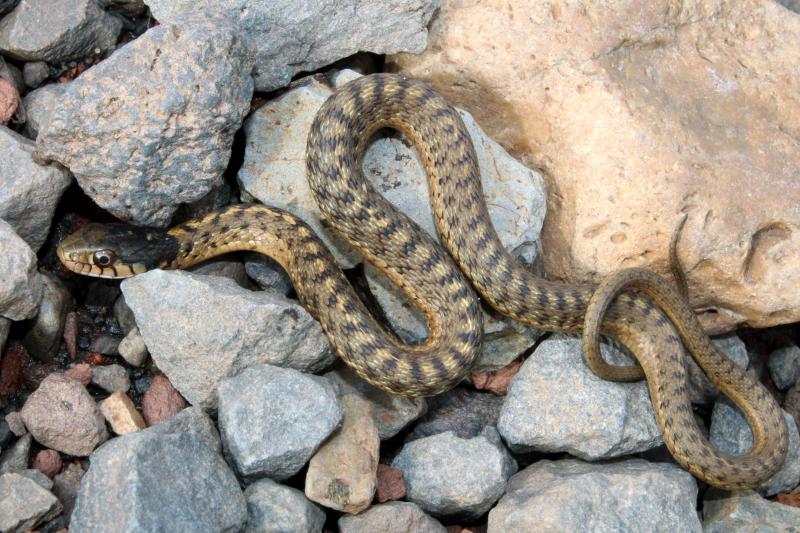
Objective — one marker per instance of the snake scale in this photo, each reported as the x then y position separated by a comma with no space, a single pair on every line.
649,317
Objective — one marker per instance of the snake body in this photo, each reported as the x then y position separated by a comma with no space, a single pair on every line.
429,277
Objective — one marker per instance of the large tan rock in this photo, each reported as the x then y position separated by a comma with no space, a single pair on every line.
638,112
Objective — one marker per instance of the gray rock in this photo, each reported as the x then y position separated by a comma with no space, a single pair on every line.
24,504
15,424
21,286
794,5
14,75
150,482
274,172
66,485
267,273
503,341
596,419
35,72
452,477
18,456
128,7
61,415
106,344
39,104
701,390
570,495
133,349
464,412
295,36
273,419
390,413
784,366
730,433
275,508
40,479
6,6
151,127
200,329
391,517
43,338
5,327
124,315
38,30
746,511
190,420
111,378
225,268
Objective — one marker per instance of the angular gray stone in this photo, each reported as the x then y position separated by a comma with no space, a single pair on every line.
151,127
267,273
190,420
43,338
295,36
35,72
746,511
21,285
274,172
391,517
593,419
61,415
39,104
273,419
111,378
40,479
29,192
151,482
133,349
463,411
24,504
784,366
570,495
275,508
452,477
390,413
66,485
58,30
17,456
200,329
730,433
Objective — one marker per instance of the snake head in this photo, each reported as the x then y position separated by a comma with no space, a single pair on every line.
116,250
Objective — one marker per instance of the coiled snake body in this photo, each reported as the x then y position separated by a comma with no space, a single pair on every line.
428,276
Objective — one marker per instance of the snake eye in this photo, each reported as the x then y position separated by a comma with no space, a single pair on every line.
104,257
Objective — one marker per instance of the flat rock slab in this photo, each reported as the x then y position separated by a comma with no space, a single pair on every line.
21,286
200,329
272,420
295,36
24,504
452,477
276,508
151,482
392,517
58,30
151,127
746,511
29,192
556,404
570,495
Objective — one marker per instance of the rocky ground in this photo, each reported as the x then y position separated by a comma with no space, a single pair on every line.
211,400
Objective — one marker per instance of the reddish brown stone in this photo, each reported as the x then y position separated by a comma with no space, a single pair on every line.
11,367
81,372
48,462
497,381
391,485
71,334
792,499
161,401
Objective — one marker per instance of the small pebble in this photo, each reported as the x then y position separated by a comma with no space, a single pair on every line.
71,334
48,462
390,484
15,424
35,72
121,414
82,372
161,400
784,366
133,349
105,344
113,378
496,381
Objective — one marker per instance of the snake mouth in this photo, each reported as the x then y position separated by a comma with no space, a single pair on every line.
81,263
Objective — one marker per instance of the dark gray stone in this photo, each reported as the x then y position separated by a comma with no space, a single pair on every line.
452,477
296,36
151,482
43,338
24,504
151,127
784,366
124,315
6,6
201,329
273,419
29,192
40,479
106,344
730,433
66,485
35,72
111,378
57,30
570,495
464,412
39,104
275,508
5,327
225,268
267,273
391,517
724,512
596,419
190,420
17,456
128,7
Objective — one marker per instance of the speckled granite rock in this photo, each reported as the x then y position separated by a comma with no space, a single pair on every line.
275,508
24,504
